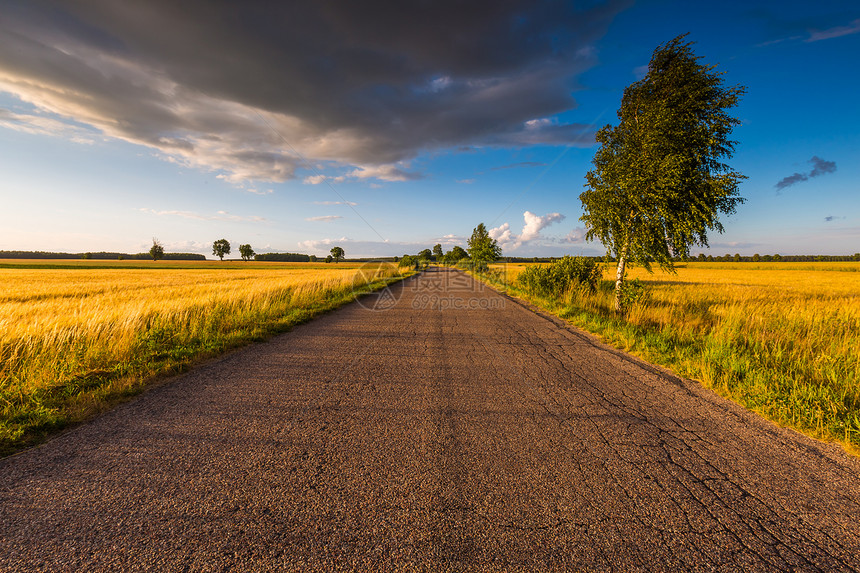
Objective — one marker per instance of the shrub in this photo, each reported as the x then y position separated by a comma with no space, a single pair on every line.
409,261
559,276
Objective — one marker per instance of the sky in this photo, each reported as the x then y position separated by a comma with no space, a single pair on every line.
388,127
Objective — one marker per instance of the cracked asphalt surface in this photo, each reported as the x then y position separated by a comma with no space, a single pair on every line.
456,430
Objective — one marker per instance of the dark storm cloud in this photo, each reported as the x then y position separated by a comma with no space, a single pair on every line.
790,180
819,167
250,87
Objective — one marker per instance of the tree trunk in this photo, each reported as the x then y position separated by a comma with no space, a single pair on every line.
619,280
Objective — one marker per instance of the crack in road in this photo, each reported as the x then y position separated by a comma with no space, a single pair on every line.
488,436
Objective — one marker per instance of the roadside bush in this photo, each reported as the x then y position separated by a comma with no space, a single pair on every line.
410,262
560,276
475,266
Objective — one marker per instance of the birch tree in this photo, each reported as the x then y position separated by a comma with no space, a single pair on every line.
659,183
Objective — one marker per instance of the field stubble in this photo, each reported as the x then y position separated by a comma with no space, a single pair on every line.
76,338
782,339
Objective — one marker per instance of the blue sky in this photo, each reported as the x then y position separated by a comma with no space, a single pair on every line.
388,131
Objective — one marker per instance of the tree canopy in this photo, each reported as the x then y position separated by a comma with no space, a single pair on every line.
246,252
337,254
658,183
458,253
483,249
220,248
157,250
437,252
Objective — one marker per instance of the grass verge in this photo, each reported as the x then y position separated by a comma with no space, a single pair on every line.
80,348
787,352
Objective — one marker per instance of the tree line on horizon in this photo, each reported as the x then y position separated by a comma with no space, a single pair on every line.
99,255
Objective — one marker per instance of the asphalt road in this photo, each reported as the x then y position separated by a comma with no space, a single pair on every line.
455,430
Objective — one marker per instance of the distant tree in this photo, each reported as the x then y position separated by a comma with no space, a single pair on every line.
328,258
337,254
736,258
408,261
86,256
482,248
425,254
120,258
220,248
396,259
437,252
658,183
777,257
157,250
456,254
459,253
312,258
246,252
756,258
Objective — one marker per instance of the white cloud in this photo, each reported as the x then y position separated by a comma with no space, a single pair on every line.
389,172
321,244
41,125
318,179
575,236
181,247
836,32
538,123
534,224
384,173
350,203
502,235
450,239
466,181
324,218
219,216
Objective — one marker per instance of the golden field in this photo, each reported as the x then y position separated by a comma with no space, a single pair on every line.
75,336
782,339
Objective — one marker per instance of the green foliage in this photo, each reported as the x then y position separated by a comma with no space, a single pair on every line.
455,255
99,255
408,261
437,252
632,292
560,276
425,254
328,258
337,254
482,248
220,248
285,257
157,250
312,258
658,183
413,262
87,256
247,252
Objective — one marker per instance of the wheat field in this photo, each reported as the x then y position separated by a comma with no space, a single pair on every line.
77,336
783,339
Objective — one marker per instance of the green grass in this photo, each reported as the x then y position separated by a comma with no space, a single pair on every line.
790,356
72,373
